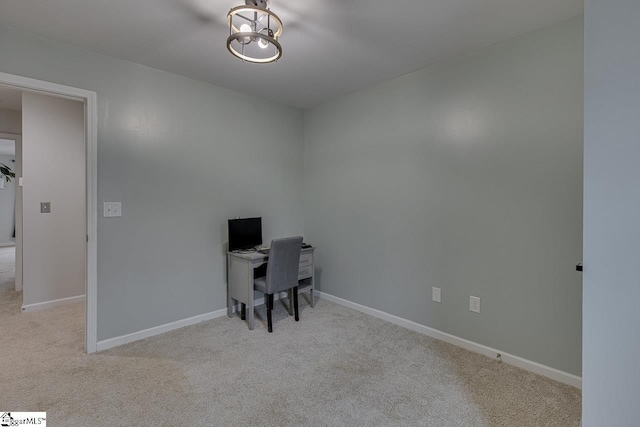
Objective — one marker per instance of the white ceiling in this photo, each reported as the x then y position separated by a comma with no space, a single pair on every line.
10,99
331,47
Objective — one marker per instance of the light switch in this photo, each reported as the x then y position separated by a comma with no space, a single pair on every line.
45,207
112,209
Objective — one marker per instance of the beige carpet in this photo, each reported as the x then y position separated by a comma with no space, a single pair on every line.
335,367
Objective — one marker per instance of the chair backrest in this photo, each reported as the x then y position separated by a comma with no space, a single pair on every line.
283,264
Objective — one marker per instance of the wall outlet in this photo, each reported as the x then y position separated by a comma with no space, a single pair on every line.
474,304
112,209
435,294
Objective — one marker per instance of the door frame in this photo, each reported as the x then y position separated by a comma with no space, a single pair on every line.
89,98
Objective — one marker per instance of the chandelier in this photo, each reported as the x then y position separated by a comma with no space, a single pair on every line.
253,32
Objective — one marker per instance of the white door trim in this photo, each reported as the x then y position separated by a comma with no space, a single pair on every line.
91,124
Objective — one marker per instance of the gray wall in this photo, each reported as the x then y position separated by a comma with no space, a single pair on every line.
611,214
466,175
183,157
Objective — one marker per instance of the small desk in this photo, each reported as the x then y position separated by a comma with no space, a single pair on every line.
240,276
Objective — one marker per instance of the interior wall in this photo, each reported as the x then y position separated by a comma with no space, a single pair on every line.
611,211
10,121
465,175
53,170
7,202
183,157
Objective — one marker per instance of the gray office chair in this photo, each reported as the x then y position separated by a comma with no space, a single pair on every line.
282,273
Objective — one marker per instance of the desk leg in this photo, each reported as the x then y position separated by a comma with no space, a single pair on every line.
230,304
250,314
313,286
250,300
240,286
230,301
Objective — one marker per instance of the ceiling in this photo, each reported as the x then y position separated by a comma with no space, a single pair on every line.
330,47
10,99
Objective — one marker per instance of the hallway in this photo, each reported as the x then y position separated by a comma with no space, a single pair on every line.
66,321
9,298
31,339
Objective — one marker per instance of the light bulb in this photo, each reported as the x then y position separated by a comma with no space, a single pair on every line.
245,28
263,43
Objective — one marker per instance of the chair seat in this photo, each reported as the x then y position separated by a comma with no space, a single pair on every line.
260,284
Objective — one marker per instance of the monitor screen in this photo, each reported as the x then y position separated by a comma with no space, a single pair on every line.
245,233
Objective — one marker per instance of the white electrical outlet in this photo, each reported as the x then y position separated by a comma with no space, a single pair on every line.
474,304
112,209
436,294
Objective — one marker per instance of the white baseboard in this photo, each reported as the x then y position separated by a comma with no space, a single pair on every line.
157,330
554,374
50,304
520,362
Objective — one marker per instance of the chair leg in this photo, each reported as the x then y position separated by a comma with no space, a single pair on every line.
290,302
243,311
269,308
295,302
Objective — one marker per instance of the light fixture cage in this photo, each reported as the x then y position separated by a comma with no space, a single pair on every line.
254,33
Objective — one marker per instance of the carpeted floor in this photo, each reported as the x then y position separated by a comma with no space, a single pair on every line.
335,367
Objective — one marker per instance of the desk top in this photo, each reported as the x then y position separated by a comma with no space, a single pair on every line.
255,255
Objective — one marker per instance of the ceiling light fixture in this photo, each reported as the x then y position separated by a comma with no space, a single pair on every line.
253,32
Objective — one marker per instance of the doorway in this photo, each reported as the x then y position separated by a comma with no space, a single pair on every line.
8,184
9,170
87,101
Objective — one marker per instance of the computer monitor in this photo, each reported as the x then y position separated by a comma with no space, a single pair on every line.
245,233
